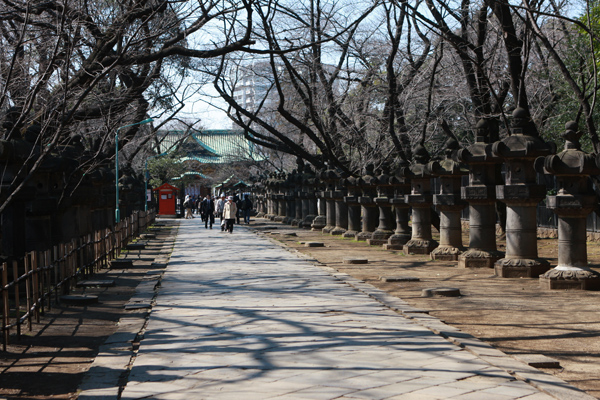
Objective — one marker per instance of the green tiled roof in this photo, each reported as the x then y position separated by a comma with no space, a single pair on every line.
214,146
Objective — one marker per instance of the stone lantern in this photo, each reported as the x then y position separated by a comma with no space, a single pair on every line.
352,186
309,200
449,203
370,212
341,208
298,193
320,220
521,193
270,197
481,196
386,217
329,176
400,188
289,198
420,199
572,203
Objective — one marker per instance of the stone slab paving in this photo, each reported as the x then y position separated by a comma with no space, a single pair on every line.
239,317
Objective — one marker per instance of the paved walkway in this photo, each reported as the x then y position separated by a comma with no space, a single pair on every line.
239,317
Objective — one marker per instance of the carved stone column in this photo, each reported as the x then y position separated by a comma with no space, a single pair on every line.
481,196
280,199
369,209
341,209
449,204
290,198
572,203
329,177
320,220
351,200
402,233
309,206
521,193
385,229
420,199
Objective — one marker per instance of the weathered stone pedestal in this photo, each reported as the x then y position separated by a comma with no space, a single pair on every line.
521,194
351,200
341,214
449,204
402,233
281,208
420,199
572,204
572,271
310,183
386,212
330,211
369,210
481,196
320,220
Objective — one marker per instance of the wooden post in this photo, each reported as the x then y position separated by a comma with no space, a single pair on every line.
35,285
5,306
17,300
48,274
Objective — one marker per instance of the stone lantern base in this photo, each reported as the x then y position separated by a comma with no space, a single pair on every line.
474,258
520,268
420,246
570,278
349,234
319,223
380,237
307,221
397,241
363,236
337,231
446,253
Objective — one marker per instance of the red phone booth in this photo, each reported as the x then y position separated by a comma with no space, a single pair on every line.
167,198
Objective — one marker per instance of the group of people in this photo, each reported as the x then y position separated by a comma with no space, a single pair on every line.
227,209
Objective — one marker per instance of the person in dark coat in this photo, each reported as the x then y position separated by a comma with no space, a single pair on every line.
246,208
207,209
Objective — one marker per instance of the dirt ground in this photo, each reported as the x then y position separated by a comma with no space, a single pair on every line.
514,315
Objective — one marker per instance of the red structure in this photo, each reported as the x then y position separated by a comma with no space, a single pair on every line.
167,200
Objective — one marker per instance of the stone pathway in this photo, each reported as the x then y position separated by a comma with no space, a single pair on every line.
239,317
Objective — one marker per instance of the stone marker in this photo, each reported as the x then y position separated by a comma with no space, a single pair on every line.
398,279
135,246
78,299
355,261
441,292
121,263
96,282
538,360
314,244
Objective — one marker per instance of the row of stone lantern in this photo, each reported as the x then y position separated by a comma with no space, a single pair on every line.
375,206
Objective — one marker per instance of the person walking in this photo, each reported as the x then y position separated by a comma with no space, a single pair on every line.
219,211
229,214
207,209
187,204
246,208
238,203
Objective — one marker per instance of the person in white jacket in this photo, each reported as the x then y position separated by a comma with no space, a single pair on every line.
229,213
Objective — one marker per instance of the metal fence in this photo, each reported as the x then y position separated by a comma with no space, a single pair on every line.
31,284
